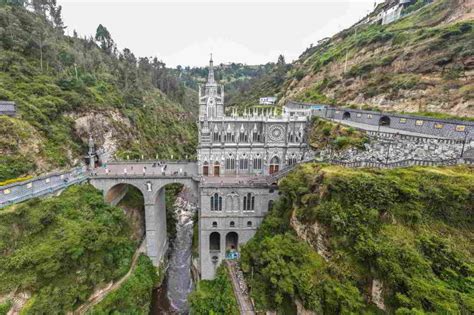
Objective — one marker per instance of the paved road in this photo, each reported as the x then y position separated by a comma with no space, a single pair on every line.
39,186
240,289
381,129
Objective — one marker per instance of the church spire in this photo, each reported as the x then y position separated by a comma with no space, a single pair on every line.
210,78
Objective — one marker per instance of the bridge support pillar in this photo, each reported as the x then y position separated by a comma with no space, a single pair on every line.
155,221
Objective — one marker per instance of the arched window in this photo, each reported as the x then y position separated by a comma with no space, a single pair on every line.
216,137
216,202
205,169
270,205
230,163
249,223
255,137
243,163
214,224
257,163
215,241
232,224
249,202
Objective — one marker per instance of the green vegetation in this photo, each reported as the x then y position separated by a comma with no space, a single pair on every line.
428,50
214,296
410,228
134,296
60,249
172,191
325,134
5,307
55,79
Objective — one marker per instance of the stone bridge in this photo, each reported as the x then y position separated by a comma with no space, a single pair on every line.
150,178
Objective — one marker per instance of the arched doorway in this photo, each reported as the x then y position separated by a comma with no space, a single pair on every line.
384,121
231,241
205,169
274,165
217,168
214,242
346,116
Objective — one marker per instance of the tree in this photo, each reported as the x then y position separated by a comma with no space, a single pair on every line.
281,61
103,36
40,40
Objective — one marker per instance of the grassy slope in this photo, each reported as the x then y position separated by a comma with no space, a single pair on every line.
418,63
324,133
214,296
61,248
411,228
78,78
134,296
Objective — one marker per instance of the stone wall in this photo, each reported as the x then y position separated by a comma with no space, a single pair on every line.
390,148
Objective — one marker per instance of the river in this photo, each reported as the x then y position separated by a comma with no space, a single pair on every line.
172,297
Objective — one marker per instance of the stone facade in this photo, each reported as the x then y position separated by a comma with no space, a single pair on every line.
233,151
442,128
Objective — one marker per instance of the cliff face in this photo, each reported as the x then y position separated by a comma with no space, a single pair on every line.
67,87
422,62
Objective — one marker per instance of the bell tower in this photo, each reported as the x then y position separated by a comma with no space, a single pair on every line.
211,102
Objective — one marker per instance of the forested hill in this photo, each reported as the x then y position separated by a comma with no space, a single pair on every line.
67,86
420,63
238,79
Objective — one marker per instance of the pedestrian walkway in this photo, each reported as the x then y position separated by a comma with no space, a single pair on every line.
240,288
381,128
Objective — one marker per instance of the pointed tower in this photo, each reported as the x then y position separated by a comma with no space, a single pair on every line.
211,103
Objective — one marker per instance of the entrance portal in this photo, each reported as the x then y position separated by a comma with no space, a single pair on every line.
231,241
384,121
346,116
274,165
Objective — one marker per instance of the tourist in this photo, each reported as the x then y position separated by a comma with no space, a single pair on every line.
125,171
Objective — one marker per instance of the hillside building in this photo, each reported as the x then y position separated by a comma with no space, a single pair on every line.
236,157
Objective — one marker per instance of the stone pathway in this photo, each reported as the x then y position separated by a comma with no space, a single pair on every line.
99,295
240,288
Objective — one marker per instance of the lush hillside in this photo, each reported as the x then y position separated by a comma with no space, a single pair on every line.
421,63
214,296
346,241
58,250
239,80
66,87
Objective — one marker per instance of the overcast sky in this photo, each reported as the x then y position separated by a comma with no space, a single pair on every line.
185,32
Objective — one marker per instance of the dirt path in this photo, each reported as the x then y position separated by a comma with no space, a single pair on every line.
99,295
240,289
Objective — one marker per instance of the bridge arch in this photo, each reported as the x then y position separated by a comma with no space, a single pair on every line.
153,189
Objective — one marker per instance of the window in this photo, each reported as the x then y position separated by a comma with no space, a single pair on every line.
438,126
359,115
244,163
419,122
230,163
214,224
249,202
292,160
460,128
403,120
255,137
6,191
216,202
215,241
232,224
216,136
249,223
369,116
243,137
257,163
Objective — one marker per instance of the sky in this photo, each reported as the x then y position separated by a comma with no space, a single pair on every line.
185,32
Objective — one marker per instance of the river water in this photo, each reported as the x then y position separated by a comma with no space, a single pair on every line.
172,297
